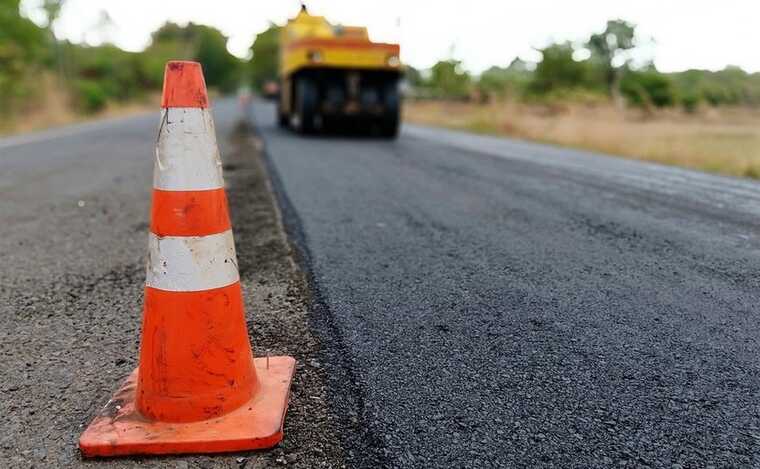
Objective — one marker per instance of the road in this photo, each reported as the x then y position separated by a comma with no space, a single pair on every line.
490,302
73,244
475,301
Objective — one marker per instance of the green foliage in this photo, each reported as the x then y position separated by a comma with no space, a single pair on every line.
648,88
494,81
264,53
221,69
197,42
616,38
117,72
152,61
98,75
448,78
413,77
91,95
730,86
500,82
172,32
52,10
558,70
106,73
22,47
608,50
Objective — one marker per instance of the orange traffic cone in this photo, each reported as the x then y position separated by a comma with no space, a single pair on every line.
198,388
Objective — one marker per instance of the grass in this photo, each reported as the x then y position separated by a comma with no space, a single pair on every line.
52,108
725,141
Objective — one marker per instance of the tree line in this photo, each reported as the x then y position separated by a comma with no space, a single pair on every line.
97,75
601,67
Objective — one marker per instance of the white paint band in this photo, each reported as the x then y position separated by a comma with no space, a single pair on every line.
187,157
191,263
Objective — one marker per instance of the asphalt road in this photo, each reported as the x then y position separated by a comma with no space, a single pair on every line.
475,301
489,302
73,242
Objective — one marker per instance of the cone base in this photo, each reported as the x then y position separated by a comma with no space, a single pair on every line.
120,430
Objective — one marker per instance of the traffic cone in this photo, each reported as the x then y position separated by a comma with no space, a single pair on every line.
198,388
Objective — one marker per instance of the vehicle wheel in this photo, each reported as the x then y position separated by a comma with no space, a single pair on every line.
282,119
389,123
305,118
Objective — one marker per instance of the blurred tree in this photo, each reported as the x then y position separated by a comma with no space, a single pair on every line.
22,47
264,56
104,73
648,88
518,66
449,79
609,51
413,77
558,70
221,69
730,86
52,10
499,81
172,32
493,82
197,42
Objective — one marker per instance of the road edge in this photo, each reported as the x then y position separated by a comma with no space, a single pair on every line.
364,448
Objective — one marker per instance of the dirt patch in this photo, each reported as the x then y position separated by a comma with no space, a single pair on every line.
725,141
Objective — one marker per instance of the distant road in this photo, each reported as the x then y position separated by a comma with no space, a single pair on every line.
492,302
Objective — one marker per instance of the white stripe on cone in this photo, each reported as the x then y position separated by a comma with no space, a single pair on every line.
191,263
187,158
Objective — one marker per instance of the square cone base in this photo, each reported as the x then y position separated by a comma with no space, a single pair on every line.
119,430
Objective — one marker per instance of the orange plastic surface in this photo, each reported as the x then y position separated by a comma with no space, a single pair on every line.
184,85
120,430
189,213
195,356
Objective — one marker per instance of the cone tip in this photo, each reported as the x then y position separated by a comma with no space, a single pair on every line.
184,85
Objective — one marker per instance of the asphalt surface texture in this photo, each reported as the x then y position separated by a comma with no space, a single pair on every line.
73,245
452,300
484,302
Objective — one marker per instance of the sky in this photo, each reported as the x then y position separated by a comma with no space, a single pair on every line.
677,34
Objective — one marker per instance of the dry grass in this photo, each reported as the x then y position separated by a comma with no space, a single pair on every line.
725,141
51,107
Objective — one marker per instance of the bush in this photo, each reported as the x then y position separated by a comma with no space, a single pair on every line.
115,70
91,97
22,48
449,79
263,63
197,42
558,70
498,82
647,88
691,102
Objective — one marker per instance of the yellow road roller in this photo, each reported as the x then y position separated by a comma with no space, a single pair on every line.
335,75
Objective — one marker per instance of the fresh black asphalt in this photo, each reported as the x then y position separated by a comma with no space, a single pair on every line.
495,303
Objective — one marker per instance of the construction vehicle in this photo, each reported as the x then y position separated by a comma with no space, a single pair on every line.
335,74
